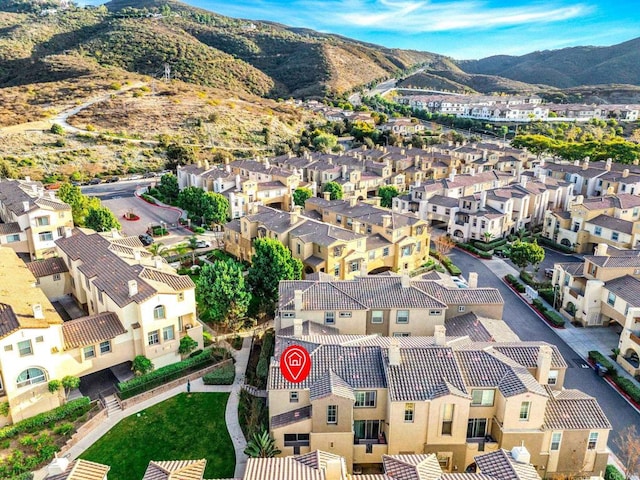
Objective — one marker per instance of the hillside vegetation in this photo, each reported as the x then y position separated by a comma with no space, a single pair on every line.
567,67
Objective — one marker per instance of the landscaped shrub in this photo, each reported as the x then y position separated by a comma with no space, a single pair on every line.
489,245
629,387
551,244
64,429
170,372
148,198
551,315
612,473
198,230
470,248
513,281
547,294
38,422
221,376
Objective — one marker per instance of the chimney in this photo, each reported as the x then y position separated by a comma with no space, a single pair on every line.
483,199
267,164
484,154
157,262
206,165
115,233
294,216
37,311
543,364
353,201
452,175
344,172
27,178
57,466
416,161
610,190
405,280
543,178
576,163
333,469
327,196
237,182
355,226
601,250
133,288
227,168
585,164
199,163
68,231
473,280
440,335
137,255
523,181
25,205
625,173
297,301
394,352
386,221
521,454
607,165
297,327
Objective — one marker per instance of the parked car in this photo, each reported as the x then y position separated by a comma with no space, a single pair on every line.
548,272
146,239
95,181
203,244
135,177
150,175
113,179
460,282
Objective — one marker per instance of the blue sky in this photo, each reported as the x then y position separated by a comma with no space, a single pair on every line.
461,29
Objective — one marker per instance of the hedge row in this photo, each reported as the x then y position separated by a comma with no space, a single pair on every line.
170,372
626,385
612,473
222,376
446,262
489,245
80,405
529,280
547,294
148,198
547,242
513,281
551,315
470,248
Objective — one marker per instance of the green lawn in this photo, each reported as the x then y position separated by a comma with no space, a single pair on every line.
181,428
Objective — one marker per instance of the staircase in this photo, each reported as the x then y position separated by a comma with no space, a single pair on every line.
111,404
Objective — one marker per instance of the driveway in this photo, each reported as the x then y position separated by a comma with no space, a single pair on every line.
528,326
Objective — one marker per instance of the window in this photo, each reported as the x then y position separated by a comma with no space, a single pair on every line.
385,252
13,238
288,314
611,298
89,352
180,296
614,236
354,266
339,218
434,312
8,348
461,308
45,236
296,439
168,333
553,377
434,208
555,441
447,418
525,409
105,347
597,231
402,316
476,427
42,221
100,298
367,429
159,312
154,337
409,410
39,339
401,334
482,398
181,323
344,315
293,397
377,316
24,348
336,270
365,399
332,414
31,376
329,318
593,440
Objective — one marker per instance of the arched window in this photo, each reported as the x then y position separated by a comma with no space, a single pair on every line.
31,376
159,312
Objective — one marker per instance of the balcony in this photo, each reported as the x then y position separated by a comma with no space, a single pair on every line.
369,451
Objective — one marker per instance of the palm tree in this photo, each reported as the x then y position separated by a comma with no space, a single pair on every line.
261,445
192,245
487,236
158,249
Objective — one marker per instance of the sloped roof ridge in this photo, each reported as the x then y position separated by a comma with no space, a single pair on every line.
334,284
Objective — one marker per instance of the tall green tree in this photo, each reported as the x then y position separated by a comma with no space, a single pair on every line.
101,219
79,202
524,254
218,208
324,142
222,293
300,195
387,193
168,188
209,206
271,263
335,188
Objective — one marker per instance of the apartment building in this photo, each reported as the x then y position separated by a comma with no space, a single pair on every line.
395,241
370,396
610,219
388,305
32,218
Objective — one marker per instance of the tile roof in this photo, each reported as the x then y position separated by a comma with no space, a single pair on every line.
454,296
175,282
288,468
501,465
387,292
8,320
627,288
48,266
616,259
310,328
292,416
9,228
467,325
91,330
331,384
412,467
573,410
612,223
175,470
575,269
526,353
14,194
82,470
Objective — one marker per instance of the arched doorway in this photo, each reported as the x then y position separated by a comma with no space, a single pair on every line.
378,270
566,242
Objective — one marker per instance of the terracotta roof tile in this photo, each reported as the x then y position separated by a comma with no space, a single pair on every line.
48,266
573,410
91,330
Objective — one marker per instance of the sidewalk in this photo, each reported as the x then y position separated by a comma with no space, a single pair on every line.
231,413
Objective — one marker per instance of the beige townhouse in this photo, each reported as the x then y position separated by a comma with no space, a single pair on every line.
32,218
371,396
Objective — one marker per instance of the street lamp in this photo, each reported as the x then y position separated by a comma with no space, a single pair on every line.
556,287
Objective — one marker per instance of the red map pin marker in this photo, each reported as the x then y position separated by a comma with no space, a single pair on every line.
295,363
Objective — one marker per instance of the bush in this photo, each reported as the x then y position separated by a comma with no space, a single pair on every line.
612,473
513,281
551,244
198,230
64,429
195,353
222,376
170,372
207,339
480,245
39,421
547,294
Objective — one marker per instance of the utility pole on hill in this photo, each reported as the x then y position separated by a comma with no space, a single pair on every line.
167,73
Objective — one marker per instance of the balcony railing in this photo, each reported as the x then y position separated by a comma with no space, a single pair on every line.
634,338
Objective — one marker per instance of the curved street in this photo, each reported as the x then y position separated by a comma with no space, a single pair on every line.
528,326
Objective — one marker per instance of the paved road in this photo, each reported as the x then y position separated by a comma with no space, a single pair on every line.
528,326
121,189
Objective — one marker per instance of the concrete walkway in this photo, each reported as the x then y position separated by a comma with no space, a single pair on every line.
231,413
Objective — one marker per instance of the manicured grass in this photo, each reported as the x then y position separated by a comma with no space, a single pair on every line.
185,427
